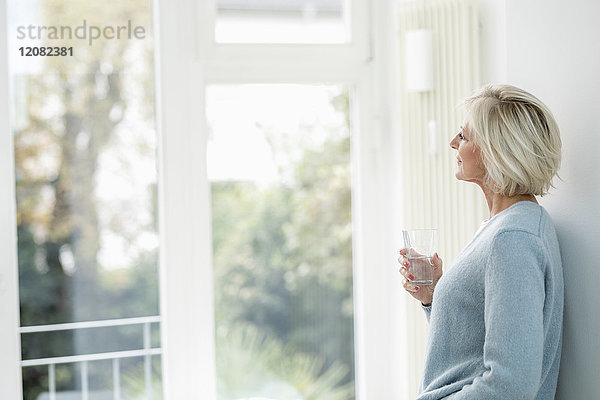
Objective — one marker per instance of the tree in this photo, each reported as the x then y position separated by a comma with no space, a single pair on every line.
74,109
283,265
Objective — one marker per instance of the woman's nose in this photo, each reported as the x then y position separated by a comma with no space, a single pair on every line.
453,143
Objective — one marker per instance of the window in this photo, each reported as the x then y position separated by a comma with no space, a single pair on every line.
86,182
268,21
280,174
325,151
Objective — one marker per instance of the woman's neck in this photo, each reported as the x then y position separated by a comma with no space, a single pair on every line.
498,203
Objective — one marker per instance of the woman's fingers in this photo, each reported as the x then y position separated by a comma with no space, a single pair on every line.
402,259
408,287
404,272
437,261
437,266
407,275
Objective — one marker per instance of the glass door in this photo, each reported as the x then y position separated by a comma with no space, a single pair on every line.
85,146
280,174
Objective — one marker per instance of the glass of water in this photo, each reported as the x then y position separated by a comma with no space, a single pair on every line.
420,247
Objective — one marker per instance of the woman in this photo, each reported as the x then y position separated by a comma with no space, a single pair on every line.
495,317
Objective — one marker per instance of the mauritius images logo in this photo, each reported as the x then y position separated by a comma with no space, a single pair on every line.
90,33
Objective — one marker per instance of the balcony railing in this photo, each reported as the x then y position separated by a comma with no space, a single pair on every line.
147,352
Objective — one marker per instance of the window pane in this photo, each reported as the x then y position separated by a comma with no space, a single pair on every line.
275,21
282,241
86,179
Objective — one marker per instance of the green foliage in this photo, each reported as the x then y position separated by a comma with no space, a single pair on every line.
133,381
283,266
67,116
282,253
253,364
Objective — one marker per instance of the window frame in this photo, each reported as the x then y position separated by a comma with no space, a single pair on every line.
184,66
10,341
380,369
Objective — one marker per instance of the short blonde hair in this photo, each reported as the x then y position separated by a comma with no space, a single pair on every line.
518,138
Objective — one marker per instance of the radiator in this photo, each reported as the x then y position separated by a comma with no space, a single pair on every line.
432,196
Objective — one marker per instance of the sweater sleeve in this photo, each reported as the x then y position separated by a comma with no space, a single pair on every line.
514,333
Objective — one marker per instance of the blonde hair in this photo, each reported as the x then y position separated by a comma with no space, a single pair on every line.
518,138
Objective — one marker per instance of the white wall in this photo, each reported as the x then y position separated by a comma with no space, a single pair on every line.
492,21
553,50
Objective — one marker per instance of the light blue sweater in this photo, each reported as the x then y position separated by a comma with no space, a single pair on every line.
495,323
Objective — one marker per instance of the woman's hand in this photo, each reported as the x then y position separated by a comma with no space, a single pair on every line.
422,293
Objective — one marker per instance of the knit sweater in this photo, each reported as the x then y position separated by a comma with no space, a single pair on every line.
495,323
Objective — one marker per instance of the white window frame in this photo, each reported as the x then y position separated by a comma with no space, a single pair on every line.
185,65
10,340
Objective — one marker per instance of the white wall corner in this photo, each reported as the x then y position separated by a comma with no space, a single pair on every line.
552,51
492,30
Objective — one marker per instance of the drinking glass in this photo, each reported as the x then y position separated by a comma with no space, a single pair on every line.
420,245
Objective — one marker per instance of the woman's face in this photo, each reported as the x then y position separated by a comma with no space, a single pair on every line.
470,165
